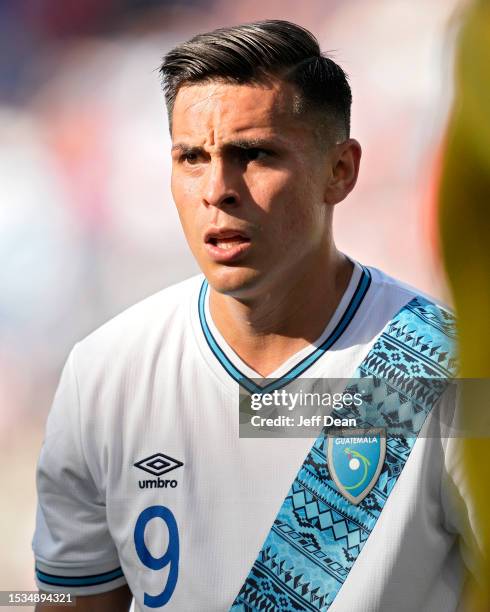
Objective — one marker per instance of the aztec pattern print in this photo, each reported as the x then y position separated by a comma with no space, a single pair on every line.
318,534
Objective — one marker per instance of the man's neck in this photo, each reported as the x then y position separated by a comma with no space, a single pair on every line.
265,332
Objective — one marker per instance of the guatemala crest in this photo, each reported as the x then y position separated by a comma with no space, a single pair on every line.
355,460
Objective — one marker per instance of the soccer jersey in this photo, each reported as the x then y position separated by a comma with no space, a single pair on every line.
143,477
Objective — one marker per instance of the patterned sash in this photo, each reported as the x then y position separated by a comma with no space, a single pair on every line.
318,534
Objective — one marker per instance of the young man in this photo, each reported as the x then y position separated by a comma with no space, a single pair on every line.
143,478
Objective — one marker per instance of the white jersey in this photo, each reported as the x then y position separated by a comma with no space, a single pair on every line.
143,477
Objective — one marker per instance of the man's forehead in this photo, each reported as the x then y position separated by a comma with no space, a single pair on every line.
233,107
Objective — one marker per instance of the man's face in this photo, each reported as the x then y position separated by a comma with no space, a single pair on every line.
248,180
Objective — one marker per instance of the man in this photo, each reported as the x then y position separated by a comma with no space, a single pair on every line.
143,478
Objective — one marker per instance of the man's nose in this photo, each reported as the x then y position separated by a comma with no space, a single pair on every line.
218,189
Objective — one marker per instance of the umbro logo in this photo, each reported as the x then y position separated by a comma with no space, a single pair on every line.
158,464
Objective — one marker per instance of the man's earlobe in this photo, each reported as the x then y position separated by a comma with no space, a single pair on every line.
345,160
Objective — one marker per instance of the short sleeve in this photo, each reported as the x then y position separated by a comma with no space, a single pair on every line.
73,549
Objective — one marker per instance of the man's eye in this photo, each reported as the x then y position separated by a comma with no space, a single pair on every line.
254,154
189,158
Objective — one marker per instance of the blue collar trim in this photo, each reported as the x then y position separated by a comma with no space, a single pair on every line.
304,364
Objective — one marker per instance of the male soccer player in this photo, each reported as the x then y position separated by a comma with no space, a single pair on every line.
145,486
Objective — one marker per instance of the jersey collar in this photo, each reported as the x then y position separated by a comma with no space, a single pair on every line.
299,368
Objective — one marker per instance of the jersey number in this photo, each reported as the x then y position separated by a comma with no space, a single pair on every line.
170,557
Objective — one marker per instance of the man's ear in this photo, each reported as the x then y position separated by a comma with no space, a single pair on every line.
344,159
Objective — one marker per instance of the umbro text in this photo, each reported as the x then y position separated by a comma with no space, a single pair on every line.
157,484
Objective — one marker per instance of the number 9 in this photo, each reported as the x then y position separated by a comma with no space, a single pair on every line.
171,555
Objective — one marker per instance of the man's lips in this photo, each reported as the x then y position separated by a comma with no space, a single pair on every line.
226,245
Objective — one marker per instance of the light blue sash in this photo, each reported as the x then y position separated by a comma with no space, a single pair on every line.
318,534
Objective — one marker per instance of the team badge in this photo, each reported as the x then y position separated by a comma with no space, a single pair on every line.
355,461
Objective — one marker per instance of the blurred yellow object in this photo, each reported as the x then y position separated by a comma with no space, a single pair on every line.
464,202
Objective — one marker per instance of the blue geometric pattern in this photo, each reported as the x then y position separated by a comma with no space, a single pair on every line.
318,534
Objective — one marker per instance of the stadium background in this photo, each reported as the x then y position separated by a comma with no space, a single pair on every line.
87,225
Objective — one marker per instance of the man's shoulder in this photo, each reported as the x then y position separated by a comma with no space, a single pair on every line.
419,322
387,287
143,324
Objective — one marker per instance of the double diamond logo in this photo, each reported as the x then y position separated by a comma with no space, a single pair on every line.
158,464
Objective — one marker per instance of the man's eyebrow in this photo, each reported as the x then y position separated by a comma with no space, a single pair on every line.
238,143
248,143
185,148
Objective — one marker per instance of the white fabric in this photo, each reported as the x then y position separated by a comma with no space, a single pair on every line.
147,382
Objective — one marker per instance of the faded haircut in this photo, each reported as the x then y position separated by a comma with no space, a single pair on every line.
255,53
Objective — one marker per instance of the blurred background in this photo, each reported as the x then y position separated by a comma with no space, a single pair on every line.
87,225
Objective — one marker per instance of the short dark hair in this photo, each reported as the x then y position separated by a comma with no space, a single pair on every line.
255,53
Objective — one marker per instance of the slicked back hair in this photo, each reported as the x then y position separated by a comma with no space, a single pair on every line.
255,53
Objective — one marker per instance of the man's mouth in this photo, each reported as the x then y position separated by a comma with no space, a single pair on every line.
226,244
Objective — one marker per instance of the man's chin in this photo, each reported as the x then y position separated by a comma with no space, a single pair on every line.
237,282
